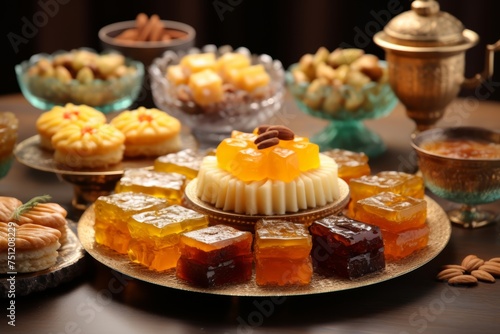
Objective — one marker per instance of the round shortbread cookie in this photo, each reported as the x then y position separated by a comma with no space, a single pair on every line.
49,122
148,132
35,247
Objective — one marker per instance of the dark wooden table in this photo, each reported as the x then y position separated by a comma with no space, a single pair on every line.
104,301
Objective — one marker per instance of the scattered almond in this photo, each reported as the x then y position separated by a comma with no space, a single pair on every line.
463,280
492,263
454,266
471,270
446,274
472,262
483,276
492,269
468,258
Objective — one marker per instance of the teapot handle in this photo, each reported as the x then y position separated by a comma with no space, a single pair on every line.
475,81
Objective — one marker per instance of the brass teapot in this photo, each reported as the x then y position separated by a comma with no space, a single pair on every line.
425,51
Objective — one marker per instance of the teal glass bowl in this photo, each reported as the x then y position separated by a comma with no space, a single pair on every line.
113,94
346,129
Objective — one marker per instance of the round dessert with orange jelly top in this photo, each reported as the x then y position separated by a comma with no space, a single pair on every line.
88,145
148,132
49,122
270,171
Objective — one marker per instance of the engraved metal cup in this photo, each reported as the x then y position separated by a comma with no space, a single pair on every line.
467,181
425,51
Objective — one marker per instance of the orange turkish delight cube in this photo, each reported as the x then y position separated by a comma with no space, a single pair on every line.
402,220
307,153
392,212
387,181
351,164
250,164
215,256
228,149
284,164
249,136
112,213
158,184
402,244
282,253
155,235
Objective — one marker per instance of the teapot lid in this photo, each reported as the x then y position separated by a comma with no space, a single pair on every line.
425,26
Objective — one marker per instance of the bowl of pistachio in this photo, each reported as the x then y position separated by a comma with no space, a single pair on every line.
345,86
106,81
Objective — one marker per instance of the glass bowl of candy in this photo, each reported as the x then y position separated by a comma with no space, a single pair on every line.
462,165
9,125
345,87
214,90
106,81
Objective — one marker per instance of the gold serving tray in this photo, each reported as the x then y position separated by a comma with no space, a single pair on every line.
439,235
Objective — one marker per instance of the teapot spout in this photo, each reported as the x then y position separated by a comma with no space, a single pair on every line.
479,78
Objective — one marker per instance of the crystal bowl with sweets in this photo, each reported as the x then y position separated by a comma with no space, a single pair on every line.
106,81
345,87
214,90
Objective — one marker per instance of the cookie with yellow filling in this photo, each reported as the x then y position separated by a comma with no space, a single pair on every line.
49,122
36,247
88,145
148,132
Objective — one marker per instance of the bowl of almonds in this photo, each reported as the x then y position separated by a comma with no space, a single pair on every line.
147,37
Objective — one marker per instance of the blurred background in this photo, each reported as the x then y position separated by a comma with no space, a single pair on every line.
284,29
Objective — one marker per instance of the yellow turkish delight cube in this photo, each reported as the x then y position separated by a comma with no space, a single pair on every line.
186,162
155,235
231,60
112,213
198,62
206,87
159,184
252,77
176,75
